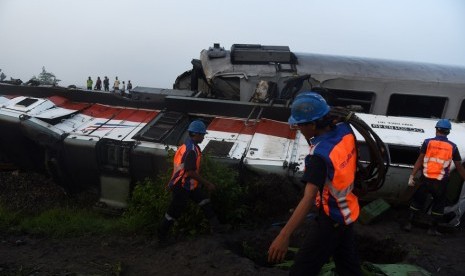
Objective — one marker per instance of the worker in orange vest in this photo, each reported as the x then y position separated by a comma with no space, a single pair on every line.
329,178
436,156
185,184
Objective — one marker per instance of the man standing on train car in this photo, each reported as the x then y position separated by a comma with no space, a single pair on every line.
329,180
185,183
436,156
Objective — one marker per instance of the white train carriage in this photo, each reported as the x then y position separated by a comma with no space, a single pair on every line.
94,145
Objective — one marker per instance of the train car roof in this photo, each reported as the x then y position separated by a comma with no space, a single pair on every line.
325,67
365,68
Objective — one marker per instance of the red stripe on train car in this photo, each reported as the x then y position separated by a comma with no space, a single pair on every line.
231,125
101,111
136,115
10,97
275,128
65,103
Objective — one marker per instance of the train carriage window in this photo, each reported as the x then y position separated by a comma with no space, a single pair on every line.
400,154
355,100
416,106
461,116
27,102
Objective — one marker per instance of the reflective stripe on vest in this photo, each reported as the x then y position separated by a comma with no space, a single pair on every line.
179,175
338,150
438,158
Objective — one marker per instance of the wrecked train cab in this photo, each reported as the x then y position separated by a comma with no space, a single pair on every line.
271,74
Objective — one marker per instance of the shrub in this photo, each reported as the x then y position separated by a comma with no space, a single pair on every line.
228,197
150,200
147,205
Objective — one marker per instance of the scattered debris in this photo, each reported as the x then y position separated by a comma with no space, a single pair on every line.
373,210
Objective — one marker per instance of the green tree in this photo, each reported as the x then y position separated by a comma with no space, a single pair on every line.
45,77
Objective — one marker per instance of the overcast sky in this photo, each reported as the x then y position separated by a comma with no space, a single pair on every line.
151,42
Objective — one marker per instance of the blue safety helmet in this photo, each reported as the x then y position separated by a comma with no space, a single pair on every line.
197,126
308,107
443,124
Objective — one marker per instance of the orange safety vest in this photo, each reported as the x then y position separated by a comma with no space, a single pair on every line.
179,176
438,158
337,149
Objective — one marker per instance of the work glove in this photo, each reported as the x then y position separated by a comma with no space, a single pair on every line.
411,181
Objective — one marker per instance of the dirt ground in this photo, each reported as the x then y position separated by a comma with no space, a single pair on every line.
380,242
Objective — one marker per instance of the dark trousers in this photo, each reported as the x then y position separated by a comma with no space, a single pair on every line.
326,239
181,197
435,188
179,201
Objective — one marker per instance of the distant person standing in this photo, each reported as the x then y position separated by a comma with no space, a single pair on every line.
89,83
98,84
123,89
116,85
106,84
129,89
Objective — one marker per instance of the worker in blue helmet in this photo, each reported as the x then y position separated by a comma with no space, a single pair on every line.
329,180
197,127
444,125
185,184
308,107
434,161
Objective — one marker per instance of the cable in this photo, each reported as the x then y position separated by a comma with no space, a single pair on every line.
369,177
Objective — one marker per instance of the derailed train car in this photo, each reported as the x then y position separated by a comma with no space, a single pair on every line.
260,73
108,141
95,145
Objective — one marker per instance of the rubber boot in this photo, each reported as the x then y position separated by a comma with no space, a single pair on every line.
433,230
163,231
408,226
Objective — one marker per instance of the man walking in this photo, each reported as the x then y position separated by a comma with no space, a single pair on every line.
329,180
186,183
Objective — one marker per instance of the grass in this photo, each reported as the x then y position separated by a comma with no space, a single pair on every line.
69,222
8,219
59,223
148,203
233,201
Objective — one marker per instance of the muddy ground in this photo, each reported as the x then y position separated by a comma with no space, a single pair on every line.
380,242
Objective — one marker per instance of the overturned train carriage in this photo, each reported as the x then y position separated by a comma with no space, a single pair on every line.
109,147
99,145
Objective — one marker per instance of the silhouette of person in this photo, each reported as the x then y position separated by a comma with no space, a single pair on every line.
89,83
123,89
116,85
106,84
98,84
